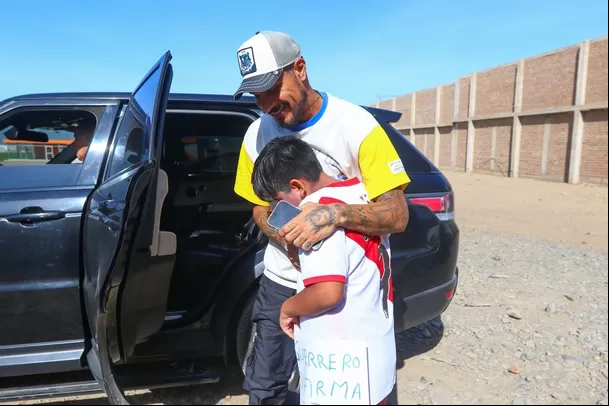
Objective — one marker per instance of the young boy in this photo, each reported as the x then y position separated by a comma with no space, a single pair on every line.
344,286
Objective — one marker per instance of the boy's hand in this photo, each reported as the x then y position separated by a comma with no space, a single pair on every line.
287,322
293,256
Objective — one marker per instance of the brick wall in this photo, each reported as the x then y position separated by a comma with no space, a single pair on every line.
447,106
424,141
594,148
446,146
542,109
495,90
549,80
461,145
492,146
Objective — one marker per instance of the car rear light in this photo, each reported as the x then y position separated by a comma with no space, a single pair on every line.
442,205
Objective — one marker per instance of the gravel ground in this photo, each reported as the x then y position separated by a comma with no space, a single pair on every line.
528,326
529,322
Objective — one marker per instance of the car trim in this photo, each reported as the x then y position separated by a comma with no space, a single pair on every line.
54,352
211,113
433,290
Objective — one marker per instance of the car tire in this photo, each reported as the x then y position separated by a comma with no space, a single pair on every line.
245,331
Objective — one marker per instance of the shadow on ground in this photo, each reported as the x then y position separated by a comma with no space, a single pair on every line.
413,342
209,394
231,384
418,340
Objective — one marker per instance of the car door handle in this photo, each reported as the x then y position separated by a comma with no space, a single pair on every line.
35,217
107,206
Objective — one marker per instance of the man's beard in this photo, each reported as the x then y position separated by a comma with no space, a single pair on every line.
297,113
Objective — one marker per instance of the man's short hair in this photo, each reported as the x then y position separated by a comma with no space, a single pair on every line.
281,160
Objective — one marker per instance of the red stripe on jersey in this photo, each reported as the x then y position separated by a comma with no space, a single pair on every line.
325,278
348,182
330,200
370,245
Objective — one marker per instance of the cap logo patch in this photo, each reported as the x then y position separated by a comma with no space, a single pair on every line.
247,63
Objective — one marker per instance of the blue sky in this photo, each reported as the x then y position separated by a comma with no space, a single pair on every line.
355,49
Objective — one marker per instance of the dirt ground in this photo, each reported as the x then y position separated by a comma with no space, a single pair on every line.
558,212
529,322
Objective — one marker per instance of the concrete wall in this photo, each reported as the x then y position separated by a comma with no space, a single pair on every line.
543,117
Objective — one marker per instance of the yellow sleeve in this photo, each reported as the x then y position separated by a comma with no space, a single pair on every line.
380,165
243,180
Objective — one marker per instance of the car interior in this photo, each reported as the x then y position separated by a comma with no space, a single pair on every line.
48,137
209,219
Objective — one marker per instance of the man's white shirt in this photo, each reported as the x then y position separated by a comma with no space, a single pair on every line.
349,143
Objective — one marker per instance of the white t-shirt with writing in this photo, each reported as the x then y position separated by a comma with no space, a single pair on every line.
348,142
366,311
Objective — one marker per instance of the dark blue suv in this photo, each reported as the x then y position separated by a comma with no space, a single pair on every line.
134,262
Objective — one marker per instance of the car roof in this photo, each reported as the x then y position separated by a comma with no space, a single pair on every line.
389,116
194,97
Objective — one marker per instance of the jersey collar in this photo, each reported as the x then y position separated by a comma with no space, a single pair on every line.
310,122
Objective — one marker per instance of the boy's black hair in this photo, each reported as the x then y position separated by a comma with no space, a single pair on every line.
281,160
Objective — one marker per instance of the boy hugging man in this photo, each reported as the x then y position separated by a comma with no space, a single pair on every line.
344,286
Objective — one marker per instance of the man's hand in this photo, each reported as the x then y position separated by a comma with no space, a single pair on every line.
261,215
287,323
387,214
313,224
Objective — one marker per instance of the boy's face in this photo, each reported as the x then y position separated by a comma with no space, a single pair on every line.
299,189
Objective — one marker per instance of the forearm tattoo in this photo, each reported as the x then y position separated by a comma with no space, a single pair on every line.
321,217
388,214
261,220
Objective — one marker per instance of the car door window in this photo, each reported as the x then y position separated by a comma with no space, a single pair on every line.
46,146
214,155
38,136
131,145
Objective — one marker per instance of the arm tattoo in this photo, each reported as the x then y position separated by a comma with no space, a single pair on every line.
387,214
320,217
261,215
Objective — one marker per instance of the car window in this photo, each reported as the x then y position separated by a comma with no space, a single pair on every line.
204,146
38,136
131,144
212,154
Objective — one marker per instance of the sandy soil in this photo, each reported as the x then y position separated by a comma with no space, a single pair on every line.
558,212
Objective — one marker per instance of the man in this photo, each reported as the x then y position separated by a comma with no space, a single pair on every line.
83,134
349,143
344,286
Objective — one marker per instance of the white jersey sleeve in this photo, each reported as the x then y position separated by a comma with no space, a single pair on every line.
330,263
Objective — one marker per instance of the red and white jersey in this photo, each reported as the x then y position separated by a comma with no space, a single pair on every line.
366,312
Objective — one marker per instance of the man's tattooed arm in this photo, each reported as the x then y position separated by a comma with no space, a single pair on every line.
261,215
386,214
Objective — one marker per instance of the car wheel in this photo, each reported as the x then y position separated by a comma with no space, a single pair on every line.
245,331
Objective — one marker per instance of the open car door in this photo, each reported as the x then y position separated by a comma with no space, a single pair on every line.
127,261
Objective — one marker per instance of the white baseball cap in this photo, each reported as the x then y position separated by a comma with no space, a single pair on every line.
262,59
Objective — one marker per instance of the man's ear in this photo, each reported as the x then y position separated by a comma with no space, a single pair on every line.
300,69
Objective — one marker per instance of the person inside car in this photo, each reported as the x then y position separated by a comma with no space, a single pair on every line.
349,143
83,135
